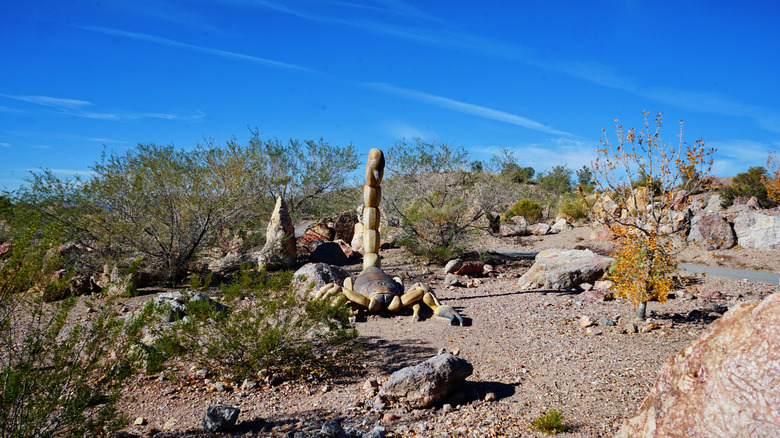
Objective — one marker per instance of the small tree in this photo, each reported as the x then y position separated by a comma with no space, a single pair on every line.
557,180
772,181
749,184
585,179
647,181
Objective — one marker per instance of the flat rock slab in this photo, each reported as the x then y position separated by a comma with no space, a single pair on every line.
559,269
424,385
724,384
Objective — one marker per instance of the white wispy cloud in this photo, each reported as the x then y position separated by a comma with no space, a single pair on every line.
465,108
179,44
54,102
4,144
737,155
82,108
594,72
546,154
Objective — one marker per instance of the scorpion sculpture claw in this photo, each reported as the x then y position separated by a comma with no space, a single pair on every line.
374,289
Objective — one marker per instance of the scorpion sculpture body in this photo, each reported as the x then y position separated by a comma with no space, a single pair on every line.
373,289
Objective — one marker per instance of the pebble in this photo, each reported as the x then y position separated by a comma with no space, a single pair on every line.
585,321
370,385
248,385
490,397
607,321
593,331
389,417
140,421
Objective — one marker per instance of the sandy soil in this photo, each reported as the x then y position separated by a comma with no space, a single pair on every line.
527,348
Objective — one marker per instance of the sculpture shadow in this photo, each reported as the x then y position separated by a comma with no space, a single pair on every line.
388,357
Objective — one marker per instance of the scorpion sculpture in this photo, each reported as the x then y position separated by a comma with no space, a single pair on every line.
373,289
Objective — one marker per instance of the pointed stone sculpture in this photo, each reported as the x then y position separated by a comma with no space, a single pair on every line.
279,251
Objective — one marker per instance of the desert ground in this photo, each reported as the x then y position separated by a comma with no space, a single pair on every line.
528,350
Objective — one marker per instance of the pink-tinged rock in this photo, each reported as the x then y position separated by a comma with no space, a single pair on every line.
603,284
467,268
595,295
712,295
711,231
601,234
724,384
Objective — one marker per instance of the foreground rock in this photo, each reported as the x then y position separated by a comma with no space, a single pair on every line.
220,418
424,385
722,385
556,269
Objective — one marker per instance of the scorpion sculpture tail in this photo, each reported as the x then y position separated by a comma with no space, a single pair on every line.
372,194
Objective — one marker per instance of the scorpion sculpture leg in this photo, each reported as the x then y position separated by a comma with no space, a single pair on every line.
373,289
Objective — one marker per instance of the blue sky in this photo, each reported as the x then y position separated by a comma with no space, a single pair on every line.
540,78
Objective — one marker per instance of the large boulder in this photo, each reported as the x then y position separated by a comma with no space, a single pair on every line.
557,269
711,231
311,277
279,251
758,230
724,384
424,385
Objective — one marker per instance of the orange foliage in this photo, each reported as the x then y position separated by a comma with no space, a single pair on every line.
772,183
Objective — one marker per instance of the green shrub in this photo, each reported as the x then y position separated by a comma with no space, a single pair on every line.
530,210
557,180
57,377
746,185
275,329
551,423
573,208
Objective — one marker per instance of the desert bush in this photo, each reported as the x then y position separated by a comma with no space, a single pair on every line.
628,172
772,180
57,378
573,208
557,180
312,176
165,204
436,202
551,423
530,210
275,329
746,185
506,163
